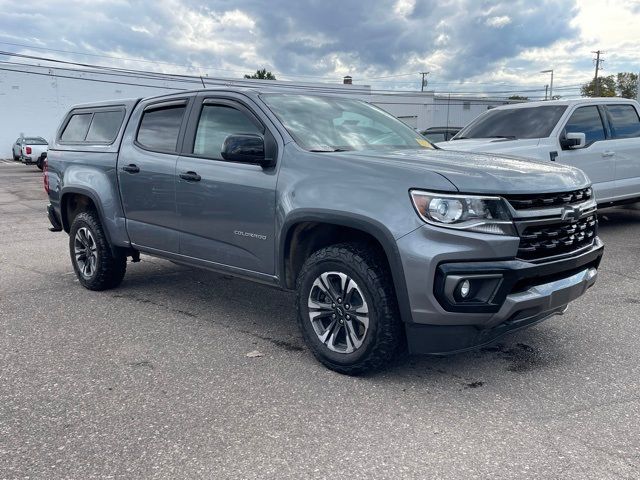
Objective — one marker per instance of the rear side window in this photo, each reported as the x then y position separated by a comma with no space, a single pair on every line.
586,120
624,121
105,126
160,128
76,129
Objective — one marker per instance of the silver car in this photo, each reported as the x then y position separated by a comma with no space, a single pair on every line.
30,150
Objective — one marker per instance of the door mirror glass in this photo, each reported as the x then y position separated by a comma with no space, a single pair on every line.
245,148
573,140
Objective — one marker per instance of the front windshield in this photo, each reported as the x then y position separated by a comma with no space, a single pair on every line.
327,124
514,123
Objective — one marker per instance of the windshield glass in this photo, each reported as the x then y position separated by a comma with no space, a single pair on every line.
327,124
532,122
35,141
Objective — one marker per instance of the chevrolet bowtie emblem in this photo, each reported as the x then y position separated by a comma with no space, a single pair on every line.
571,214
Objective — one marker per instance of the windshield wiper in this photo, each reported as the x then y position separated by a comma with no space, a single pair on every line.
510,137
325,150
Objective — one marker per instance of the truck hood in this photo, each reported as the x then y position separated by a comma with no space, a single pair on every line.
477,172
492,145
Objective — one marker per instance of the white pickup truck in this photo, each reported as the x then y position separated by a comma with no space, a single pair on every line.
30,150
601,136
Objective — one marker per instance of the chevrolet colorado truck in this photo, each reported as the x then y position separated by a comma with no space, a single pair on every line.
388,242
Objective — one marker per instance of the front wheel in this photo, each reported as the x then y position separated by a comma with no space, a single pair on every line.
95,264
347,309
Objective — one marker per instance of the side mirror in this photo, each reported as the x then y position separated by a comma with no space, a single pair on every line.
245,148
573,140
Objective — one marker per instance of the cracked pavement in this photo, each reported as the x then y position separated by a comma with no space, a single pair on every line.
151,380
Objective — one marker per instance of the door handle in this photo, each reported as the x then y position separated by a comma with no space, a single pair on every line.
608,153
131,168
190,176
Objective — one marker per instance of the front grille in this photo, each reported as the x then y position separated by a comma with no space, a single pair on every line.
546,200
541,241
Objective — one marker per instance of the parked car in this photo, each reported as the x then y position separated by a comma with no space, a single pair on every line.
440,134
601,136
30,150
334,199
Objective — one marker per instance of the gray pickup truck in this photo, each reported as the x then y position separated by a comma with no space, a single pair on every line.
387,241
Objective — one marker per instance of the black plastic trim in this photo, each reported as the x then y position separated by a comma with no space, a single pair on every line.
358,222
518,275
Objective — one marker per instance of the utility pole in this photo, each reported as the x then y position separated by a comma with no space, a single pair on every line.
595,78
424,81
550,83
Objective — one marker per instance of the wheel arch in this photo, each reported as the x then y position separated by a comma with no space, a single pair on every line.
80,197
324,224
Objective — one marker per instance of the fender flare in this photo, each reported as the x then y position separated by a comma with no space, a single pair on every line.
87,192
359,222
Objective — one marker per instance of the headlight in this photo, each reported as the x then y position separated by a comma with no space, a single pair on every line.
464,212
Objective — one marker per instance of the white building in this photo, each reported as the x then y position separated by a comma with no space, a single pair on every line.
33,99
422,110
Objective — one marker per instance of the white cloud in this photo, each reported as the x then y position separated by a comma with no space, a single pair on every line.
404,7
498,22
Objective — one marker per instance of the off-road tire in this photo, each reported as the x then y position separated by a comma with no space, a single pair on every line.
385,335
110,268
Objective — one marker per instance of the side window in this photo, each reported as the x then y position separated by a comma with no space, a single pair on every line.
624,121
104,126
586,120
76,129
215,124
160,128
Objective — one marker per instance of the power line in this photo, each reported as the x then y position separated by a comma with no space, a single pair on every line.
193,80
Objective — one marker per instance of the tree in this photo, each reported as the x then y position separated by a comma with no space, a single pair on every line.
262,75
627,84
607,86
518,97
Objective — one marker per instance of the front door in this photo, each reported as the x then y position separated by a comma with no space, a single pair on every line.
226,209
596,157
625,143
147,175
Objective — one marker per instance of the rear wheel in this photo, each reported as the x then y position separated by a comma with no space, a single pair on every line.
95,264
347,309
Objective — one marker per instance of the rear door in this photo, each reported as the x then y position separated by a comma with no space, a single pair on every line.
596,159
227,215
625,143
147,171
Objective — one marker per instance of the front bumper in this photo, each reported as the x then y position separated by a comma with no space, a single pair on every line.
526,294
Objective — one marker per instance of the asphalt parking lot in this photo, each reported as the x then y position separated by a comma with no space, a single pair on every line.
152,379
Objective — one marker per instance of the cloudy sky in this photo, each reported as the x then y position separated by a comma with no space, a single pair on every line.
467,45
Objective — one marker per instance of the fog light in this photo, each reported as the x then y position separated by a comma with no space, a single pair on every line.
465,288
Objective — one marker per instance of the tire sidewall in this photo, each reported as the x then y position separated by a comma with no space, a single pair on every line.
304,288
78,223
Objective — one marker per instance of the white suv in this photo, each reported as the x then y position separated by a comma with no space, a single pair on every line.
599,135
